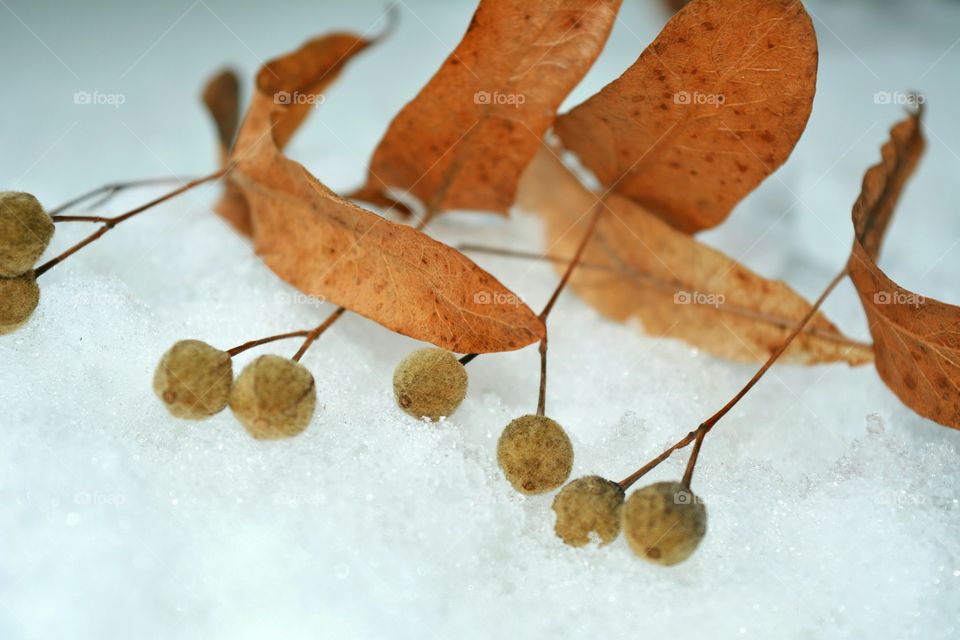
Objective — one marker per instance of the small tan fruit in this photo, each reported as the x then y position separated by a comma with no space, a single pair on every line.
588,505
664,522
193,380
19,298
535,454
25,232
274,398
430,383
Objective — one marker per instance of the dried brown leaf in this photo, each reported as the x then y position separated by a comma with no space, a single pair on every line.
674,285
708,111
464,140
328,247
293,80
221,95
675,5
884,182
916,339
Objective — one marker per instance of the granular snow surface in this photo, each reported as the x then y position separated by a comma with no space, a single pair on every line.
833,508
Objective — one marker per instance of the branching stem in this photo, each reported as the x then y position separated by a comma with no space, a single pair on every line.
312,336
110,223
108,191
256,343
701,431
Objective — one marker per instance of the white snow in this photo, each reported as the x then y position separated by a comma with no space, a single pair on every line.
833,509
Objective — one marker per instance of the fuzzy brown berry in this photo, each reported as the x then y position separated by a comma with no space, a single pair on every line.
535,454
25,232
588,505
664,522
430,383
19,298
274,398
193,380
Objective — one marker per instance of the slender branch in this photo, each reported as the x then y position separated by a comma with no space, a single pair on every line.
110,190
542,398
80,219
256,343
587,236
642,471
572,264
110,223
316,333
692,462
715,418
663,286
710,422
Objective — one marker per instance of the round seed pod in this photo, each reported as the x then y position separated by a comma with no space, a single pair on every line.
274,398
430,383
25,232
193,380
664,522
535,454
588,505
19,298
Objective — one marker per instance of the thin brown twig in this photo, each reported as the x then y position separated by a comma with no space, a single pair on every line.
542,397
667,287
574,261
316,333
256,343
642,471
110,223
110,190
80,219
572,264
710,422
692,462
584,241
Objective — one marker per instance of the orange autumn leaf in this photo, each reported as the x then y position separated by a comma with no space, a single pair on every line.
638,267
916,339
328,247
464,140
294,80
708,111
221,95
